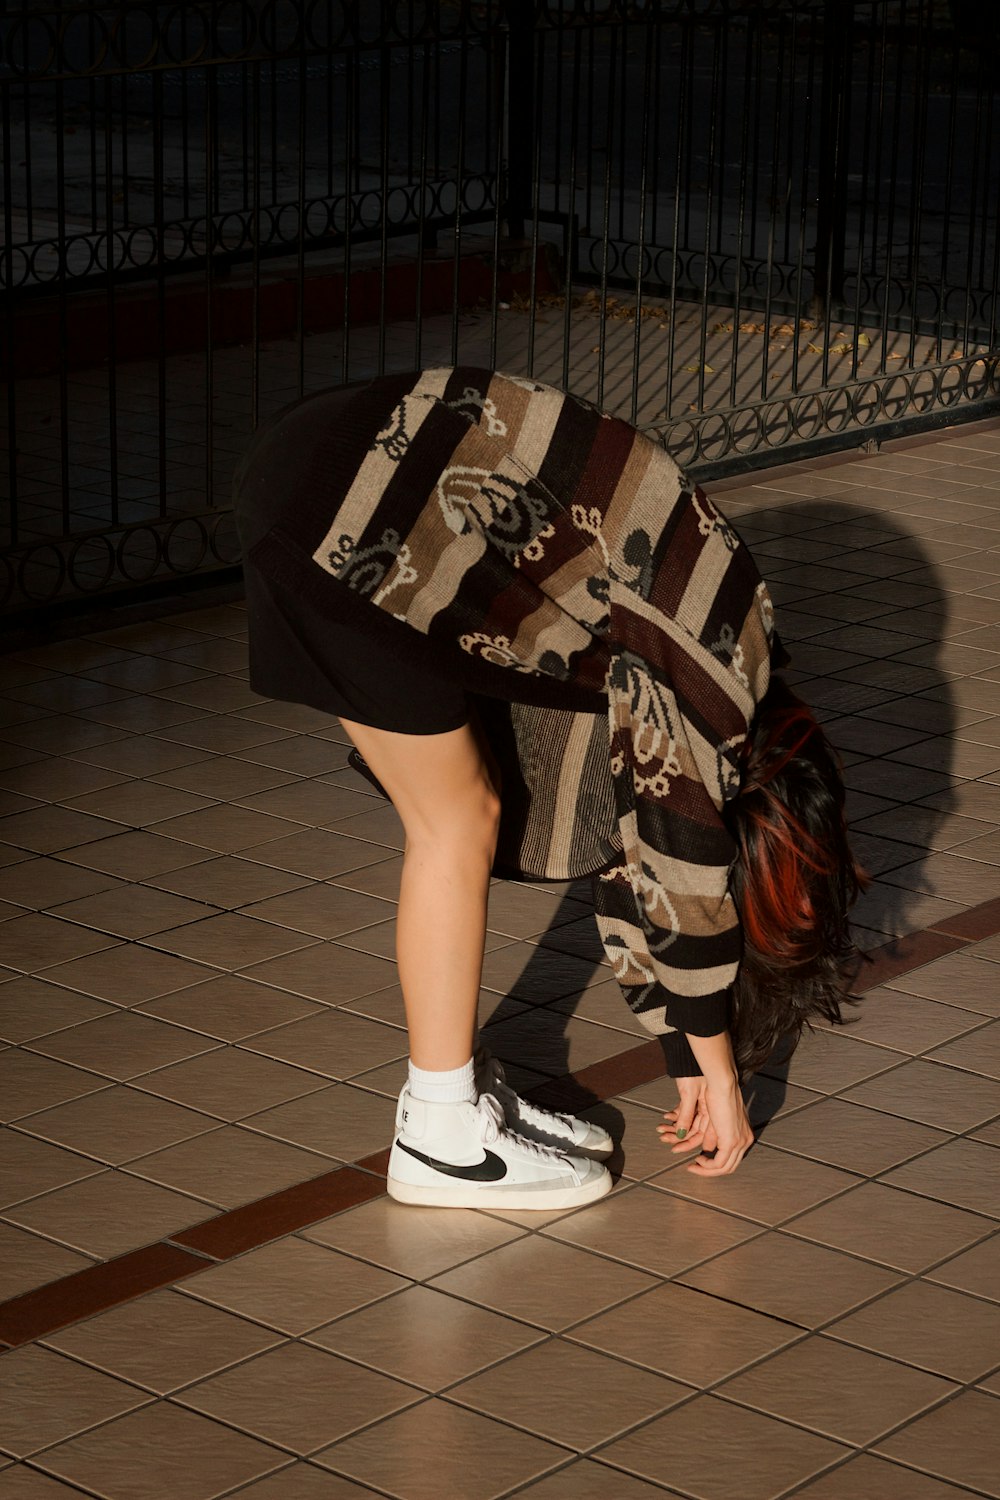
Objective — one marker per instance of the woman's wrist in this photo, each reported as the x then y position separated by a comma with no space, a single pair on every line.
714,1055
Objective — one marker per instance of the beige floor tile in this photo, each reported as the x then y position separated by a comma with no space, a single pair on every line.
876,1479
965,1173
684,1333
574,1396
790,1279
310,802
29,1084
46,830
952,877
318,853
227,881
305,1482
976,1270
524,911
943,1331
123,1045
438,1449
301,755
163,1453
225,828
518,1280
128,974
48,1398
895,1228
550,1042
220,733
586,1480
326,972
108,1214
32,1008
698,1447
829,1061
380,879
933,1094
230,1166
414,1242
230,1008
334,1043
978,1052
40,883
29,1167
908,1023
117,1124
959,979
321,910
139,755
649,1229
850,1136
132,911
20,1483
639,1152
342,1121
231,1083
163,1341
960,1441
604,1004
538,974
426,1338
378,825
769,1187
27,1261
299,1397
134,856
293,1285
230,941
59,779
138,803
223,776
842,1393
35,942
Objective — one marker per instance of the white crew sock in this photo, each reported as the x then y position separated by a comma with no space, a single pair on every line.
449,1087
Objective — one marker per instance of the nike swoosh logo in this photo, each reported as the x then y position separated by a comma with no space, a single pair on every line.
491,1169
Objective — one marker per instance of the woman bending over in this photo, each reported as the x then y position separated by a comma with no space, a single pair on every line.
556,658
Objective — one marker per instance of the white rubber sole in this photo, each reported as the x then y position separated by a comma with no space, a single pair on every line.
463,1195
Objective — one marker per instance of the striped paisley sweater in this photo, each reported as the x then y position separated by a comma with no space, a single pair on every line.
553,560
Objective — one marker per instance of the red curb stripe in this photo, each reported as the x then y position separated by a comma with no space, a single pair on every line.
94,1289
902,955
280,1213
978,922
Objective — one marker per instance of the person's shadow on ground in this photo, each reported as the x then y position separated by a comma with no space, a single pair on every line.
862,612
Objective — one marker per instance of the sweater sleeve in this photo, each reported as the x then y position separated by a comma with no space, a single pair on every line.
691,640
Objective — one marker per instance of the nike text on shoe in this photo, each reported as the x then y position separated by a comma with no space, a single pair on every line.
544,1126
463,1156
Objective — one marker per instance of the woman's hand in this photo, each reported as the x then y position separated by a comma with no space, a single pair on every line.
711,1116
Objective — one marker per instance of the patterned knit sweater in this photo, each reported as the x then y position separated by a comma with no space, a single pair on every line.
554,559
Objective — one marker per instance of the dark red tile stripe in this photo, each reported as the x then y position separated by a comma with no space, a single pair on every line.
94,1290
280,1213
98,1288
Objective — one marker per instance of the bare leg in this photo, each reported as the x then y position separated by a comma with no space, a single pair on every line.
441,788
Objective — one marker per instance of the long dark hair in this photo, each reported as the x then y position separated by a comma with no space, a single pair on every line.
793,881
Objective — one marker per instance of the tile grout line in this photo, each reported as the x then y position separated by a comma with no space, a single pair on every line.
97,1288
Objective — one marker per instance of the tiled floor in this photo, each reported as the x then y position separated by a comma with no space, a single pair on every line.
210,1294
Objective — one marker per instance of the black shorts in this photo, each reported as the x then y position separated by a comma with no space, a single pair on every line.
298,655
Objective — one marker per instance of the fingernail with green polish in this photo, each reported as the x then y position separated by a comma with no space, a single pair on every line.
681,1132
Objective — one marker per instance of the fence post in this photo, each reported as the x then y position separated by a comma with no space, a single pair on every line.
519,111
834,139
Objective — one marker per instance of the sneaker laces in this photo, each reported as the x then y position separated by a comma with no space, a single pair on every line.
492,1125
530,1113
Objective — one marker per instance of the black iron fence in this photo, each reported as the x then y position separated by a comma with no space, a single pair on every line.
754,228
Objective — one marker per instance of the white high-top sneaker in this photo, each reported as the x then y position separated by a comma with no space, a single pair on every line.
463,1156
544,1126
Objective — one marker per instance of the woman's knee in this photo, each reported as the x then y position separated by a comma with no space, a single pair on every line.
469,820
